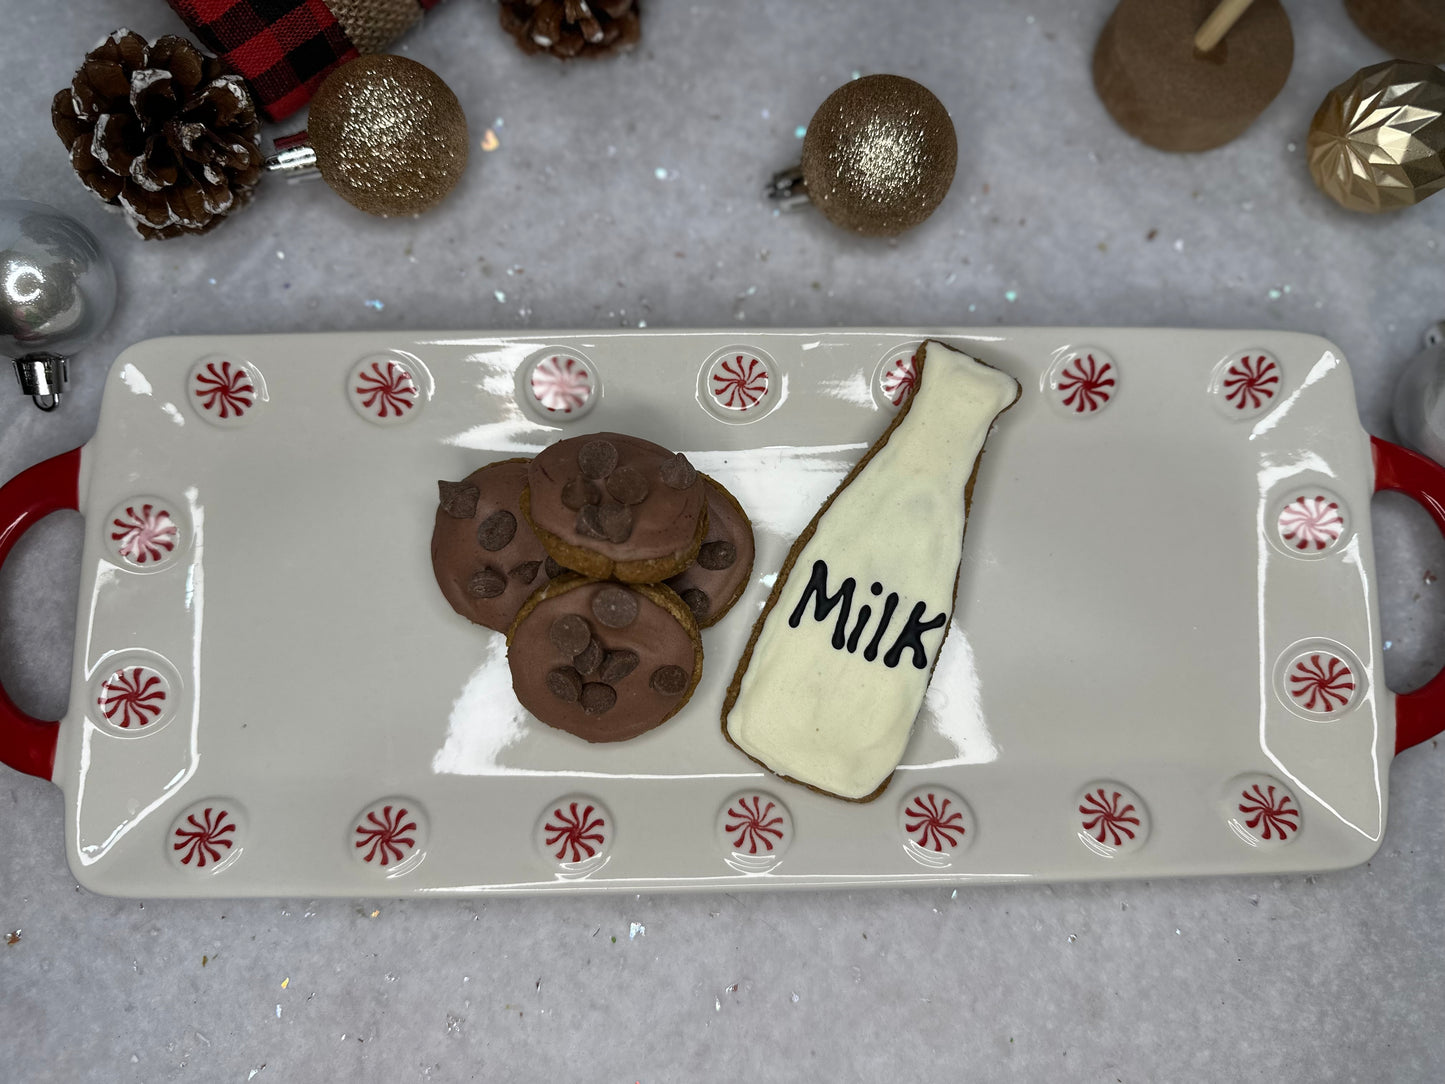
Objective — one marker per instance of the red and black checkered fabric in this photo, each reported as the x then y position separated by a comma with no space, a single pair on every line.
282,48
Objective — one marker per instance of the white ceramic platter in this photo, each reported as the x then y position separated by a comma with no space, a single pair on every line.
1165,657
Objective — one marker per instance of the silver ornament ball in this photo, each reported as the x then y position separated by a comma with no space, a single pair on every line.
57,291
1420,398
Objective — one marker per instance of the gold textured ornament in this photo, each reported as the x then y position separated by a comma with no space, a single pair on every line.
878,156
1377,142
390,136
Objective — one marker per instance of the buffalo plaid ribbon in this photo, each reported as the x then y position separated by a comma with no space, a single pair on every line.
284,48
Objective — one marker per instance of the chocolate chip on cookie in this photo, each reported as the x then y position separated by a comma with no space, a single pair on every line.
486,583
497,530
458,499
678,473
596,458
615,607
569,634
668,680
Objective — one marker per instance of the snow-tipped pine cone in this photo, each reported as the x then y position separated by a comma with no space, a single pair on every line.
568,28
161,131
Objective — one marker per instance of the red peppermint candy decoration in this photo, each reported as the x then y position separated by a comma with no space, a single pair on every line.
204,837
223,389
740,382
561,384
1311,522
1086,383
144,533
1321,683
133,696
754,821
1251,382
1269,812
578,831
939,824
1109,817
387,389
900,379
387,835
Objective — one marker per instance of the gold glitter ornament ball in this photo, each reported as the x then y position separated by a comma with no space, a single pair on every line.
879,155
1378,140
390,136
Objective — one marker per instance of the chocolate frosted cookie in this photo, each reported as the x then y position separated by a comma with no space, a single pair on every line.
604,661
616,507
486,559
712,583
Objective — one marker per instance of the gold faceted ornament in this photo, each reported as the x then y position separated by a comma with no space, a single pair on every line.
1377,142
879,155
389,135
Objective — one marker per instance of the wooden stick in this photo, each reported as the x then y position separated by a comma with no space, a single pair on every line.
1217,25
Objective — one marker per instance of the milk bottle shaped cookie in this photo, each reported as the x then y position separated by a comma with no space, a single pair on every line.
829,685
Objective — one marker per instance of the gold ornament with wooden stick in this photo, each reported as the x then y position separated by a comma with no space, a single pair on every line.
161,132
1192,75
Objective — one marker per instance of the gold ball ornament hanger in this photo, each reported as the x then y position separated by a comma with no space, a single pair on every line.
878,157
1377,142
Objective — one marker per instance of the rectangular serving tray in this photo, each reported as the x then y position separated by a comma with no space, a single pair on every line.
1123,692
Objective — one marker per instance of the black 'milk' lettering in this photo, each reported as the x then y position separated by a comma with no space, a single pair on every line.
824,603
912,636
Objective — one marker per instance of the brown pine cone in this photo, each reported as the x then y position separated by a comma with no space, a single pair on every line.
161,131
568,28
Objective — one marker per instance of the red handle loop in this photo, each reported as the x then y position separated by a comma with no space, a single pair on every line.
27,744
1420,715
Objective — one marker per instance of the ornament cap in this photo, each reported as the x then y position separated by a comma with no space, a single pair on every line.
788,189
43,377
294,157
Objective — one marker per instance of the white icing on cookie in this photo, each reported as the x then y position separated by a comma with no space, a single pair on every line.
840,666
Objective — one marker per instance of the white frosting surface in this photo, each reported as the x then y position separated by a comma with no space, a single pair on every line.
833,718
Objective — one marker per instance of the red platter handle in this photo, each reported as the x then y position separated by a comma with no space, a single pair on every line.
27,744
1420,715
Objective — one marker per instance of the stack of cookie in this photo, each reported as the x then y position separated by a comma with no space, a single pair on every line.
601,559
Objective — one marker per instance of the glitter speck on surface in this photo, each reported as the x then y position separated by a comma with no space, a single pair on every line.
500,296
490,142
660,173
1275,295
373,303
635,929
1008,295
800,131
